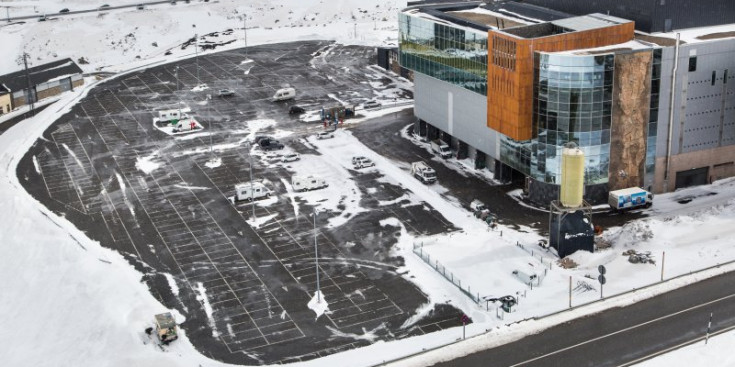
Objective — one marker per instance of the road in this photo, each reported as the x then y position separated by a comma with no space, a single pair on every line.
622,336
94,10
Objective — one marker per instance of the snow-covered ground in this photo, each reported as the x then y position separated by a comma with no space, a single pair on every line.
124,36
68,301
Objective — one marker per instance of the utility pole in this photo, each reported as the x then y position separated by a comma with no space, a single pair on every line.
316,259
7,13
211,145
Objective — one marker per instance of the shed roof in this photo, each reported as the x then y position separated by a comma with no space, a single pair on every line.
39,74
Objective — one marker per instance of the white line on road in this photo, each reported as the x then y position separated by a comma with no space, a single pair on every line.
622,330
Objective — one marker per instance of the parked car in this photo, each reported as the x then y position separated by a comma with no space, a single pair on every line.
371,105
258,138
65,10
42,18
105,6
225,93
325,135
362,162
290,157
270,144
141,7
295,110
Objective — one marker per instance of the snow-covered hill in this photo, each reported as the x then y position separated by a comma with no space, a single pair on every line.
122,36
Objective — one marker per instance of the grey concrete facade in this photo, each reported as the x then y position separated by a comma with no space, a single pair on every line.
456,111
703,116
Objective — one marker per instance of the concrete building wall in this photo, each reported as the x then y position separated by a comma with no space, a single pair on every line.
456,111
703,113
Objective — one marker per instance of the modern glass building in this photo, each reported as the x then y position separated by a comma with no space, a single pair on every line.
572,103
454,54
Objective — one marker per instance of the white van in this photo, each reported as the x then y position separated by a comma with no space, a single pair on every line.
284,94
305,183
251,191
170,115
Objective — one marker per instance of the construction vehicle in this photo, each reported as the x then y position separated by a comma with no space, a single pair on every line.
423,172
629,198
166,328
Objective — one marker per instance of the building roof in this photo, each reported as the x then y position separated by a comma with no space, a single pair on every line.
484,16
588,22
39,74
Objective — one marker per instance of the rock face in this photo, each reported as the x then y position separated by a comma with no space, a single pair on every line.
630,112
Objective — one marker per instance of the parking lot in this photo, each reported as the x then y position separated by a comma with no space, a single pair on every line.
162,202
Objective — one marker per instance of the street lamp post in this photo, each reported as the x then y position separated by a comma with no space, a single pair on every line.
196,56
245,30
252,199
178,92
316,259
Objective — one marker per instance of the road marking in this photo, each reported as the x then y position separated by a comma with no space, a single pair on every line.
623,330
686,343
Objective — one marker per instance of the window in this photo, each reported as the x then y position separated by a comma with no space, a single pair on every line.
692,63
724,77
714,76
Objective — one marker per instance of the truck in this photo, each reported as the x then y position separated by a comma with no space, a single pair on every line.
441,148
251,191
305,183
423,172
166,328
632,197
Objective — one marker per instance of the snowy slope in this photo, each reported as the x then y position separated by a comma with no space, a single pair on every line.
126,35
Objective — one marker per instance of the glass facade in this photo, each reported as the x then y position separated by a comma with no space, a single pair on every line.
455,55
572,103
653,118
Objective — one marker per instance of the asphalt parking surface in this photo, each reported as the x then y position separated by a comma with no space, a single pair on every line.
243,290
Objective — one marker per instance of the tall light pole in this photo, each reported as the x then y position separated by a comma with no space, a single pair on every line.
178,92
252,200
211,132
245,30
316,259
196,56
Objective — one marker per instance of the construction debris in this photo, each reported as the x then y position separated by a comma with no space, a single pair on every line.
636,257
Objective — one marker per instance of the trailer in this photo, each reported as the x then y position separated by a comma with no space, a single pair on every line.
632,197
251,191
306,183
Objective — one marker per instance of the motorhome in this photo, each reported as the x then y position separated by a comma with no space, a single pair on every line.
305,183
284,94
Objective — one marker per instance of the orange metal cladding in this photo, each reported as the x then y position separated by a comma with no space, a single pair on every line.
510,84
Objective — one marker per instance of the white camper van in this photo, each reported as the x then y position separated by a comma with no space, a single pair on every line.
305,183
170,115
284,94
251,191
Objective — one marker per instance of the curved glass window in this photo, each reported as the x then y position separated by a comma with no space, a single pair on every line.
572,102
454,55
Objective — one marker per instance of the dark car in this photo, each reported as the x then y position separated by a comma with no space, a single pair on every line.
105,6
270,144
65,10
259,138
225,93
295,110
42,18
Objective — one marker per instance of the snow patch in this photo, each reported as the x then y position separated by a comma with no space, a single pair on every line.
214,163
146,164
202,297
318,304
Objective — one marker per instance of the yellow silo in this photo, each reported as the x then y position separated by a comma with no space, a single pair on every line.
572,176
